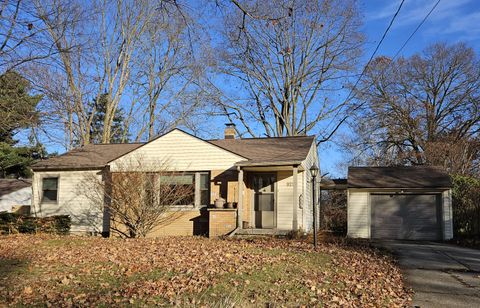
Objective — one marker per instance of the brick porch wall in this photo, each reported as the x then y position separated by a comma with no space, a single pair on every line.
221,221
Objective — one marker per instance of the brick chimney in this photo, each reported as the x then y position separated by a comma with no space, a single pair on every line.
229,131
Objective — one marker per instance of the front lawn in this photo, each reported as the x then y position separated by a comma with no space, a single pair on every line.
194,272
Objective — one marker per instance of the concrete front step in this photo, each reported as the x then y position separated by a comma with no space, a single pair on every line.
261,232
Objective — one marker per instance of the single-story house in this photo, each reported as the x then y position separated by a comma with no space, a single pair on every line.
15,195
267,178
413,203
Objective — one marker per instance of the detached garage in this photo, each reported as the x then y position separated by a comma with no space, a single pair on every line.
411,203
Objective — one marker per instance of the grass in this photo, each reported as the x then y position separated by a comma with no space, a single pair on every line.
193,272
271,282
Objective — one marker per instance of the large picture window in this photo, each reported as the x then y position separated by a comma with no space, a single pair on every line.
189,188
50,189
178,189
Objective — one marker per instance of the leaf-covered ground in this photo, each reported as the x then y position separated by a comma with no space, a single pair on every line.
194,272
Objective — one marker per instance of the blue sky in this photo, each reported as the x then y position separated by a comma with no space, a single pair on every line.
452,21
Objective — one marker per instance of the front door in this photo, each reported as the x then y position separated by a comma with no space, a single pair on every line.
264,200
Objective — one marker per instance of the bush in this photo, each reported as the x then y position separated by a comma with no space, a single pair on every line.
333,211
296,234
466,206
336,219
18,223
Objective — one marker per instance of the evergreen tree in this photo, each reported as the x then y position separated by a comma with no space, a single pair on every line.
17,106
96,128
15,161
18,110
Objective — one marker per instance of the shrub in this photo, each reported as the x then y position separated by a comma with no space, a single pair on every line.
296,234
333,211
18,223
466,206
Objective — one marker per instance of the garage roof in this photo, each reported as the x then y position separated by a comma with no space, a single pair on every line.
10,185
398,177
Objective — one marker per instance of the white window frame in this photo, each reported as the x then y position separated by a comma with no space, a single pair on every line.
52,176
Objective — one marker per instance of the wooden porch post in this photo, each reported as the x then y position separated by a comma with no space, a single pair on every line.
240,199
295,198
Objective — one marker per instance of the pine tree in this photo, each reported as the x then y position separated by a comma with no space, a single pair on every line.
96,128
18,110
17,106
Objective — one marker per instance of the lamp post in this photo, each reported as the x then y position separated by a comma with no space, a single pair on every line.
314,172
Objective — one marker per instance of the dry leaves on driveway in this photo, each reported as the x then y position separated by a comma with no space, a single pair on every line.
193,271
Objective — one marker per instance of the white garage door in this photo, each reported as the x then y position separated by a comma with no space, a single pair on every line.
406,216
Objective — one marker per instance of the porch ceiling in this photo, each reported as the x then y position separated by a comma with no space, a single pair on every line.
269,166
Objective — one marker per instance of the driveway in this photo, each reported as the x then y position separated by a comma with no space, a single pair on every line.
441,275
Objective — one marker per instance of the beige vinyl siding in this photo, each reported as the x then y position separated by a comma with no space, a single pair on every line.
358,214
284,200
312,158
181,152
301,200
447,215
72,199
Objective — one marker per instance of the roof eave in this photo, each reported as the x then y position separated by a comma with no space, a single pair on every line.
66,168
400,187
268,163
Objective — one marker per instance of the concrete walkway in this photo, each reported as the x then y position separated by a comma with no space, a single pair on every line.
441,275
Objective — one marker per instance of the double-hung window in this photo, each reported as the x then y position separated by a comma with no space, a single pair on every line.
50,189
203,189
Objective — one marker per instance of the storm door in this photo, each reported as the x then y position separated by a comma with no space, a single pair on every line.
264,200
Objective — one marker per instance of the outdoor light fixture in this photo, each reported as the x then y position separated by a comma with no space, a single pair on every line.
314,173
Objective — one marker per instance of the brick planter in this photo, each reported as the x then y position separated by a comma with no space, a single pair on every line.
221,221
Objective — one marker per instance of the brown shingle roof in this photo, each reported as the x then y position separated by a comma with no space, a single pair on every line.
333,184
257,150
10,185
268,150
89,156
397,177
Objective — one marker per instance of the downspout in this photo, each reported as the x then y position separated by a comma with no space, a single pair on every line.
231,234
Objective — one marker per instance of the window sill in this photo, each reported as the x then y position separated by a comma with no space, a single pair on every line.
187,207
48,202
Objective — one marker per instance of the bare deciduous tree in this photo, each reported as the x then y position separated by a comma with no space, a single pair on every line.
290,57
22,34
137,52
417,103
66,28
138,199
167,74
456,156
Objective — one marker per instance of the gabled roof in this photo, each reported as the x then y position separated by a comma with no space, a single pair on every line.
398,177
269,150
10,185
90,156
279,150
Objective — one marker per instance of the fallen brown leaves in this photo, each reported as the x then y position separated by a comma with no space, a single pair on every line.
190,271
